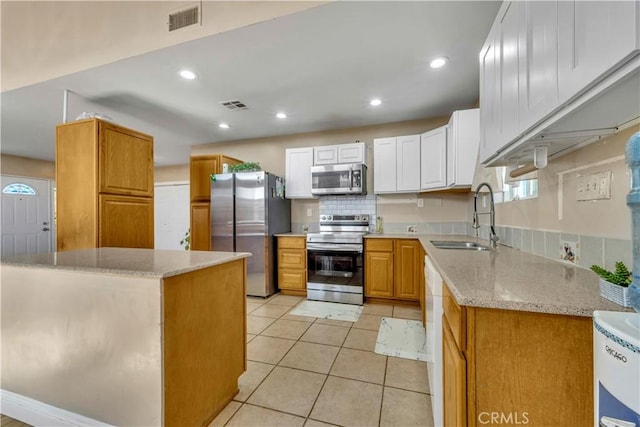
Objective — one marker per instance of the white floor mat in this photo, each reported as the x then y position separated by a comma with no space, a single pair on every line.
401,338
328,310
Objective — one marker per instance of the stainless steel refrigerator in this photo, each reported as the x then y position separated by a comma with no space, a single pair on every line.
247,209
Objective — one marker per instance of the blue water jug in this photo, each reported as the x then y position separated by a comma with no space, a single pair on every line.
633,201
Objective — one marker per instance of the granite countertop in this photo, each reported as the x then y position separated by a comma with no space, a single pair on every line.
510,279
151,263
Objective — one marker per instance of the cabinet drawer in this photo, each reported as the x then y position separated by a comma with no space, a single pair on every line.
456,317
292,279
292,242
380,245
292,258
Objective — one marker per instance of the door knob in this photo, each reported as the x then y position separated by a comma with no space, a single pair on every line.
45,228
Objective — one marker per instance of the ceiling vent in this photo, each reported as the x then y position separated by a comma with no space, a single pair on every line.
234,105
184,18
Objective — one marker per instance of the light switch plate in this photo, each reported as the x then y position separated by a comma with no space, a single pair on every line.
596,186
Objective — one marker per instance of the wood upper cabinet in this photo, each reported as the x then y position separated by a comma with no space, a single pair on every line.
292,265
393,269
378,274
200,170
409,269
126,161
94,160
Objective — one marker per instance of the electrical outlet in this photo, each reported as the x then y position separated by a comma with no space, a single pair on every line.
420,203
411,228
596,186
309,211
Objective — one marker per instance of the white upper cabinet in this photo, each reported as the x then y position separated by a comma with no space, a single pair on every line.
384,165
538,62
343,153
396,164
433,159
298,162
408,163
593,37
463,140
326,155
552,72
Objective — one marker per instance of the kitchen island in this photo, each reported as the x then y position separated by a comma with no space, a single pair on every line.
123,336
516,336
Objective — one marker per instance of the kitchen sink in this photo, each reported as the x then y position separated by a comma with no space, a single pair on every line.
454,244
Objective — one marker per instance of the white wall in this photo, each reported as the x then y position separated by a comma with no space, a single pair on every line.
171,214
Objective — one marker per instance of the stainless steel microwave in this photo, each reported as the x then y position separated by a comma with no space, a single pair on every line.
339,179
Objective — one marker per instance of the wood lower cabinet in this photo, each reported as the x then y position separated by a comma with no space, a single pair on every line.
201,233
292,265
529,368
378,273
127,222
104,186
394,269
200,170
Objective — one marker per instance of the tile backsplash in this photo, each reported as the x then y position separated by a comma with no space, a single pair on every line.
589,250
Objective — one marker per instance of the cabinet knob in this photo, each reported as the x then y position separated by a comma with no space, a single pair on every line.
45,228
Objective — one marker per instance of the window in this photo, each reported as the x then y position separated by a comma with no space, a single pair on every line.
19,188
519,189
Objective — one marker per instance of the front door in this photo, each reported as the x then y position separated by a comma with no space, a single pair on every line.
26,216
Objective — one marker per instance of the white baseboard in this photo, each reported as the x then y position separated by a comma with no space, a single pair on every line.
37,413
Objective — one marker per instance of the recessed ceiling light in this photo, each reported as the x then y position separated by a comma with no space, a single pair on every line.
438,62
375,102
281,115
223,126
188,74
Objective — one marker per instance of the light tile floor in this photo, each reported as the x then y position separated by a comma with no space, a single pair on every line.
303,371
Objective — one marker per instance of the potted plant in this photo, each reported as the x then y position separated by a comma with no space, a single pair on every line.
615,286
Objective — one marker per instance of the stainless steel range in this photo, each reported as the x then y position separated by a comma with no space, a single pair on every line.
335,259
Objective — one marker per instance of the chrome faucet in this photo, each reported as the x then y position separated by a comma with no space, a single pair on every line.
493,237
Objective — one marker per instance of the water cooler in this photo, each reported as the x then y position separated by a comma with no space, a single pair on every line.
616,335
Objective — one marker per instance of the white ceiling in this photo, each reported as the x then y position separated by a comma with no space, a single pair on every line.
320,66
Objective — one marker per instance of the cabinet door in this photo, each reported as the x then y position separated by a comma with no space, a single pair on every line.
125,222
463,138
378,274
408,269
200,226
454,372
384,165
433,159
292,279
538,61
351,153
126,161
507,61
489,74
200,170
593,37
298,173
408,168
327,155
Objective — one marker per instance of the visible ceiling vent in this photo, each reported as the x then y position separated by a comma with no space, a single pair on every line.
184,18
234,105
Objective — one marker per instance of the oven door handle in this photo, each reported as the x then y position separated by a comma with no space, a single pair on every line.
350,178
336,247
